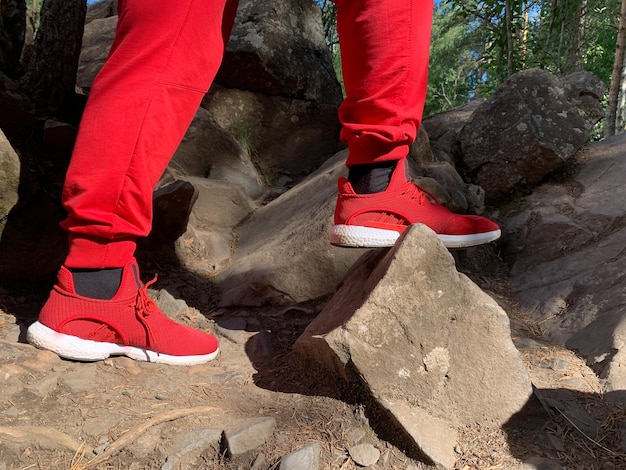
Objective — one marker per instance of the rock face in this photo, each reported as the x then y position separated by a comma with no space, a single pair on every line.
284,136
283,255
97,39
9,179
565,245
265,55
433,349
527,129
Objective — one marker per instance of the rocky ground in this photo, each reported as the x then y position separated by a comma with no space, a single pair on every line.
256,403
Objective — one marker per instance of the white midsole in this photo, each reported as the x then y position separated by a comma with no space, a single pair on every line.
368,237
73,347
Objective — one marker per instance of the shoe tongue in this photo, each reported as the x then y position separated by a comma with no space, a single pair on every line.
400,175
131,281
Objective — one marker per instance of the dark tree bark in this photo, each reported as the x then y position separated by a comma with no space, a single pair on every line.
12,29
50,76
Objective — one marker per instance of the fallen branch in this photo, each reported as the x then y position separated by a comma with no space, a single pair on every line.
134,432
39,436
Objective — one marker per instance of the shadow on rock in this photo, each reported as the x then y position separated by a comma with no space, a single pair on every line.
562,428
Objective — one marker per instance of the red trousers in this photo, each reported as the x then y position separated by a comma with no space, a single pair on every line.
162,62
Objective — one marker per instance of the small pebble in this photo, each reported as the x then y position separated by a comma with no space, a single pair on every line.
364,455
12,412
100,449
558,364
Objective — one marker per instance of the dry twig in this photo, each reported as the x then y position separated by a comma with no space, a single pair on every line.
134,432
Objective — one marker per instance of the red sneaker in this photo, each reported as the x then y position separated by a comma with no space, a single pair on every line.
129,324
377,220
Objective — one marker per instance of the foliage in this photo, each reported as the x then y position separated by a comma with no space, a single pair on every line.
329,22
455,62
34,12
478,44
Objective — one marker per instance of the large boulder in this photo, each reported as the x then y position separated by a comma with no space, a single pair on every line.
529,128
97,39
433,349
565,244
433,156
9,179
209,151
283,136
101,9
273,48
283,255
444,128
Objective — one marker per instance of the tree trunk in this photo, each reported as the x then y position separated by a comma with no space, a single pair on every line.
51,73
12,29
577,37
617,76
525,31
509,37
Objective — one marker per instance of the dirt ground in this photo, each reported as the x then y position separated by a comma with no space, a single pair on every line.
122,414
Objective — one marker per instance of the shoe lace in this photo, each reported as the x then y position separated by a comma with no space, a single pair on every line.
414,192
144,306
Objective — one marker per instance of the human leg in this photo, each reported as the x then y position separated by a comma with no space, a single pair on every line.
163,59
385,46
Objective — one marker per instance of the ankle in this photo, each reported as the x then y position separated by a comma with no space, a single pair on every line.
371,177
100,284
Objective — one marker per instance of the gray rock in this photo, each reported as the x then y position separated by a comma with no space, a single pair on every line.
97,39
283,256
529,128
355,435
9,178
100,9
45,385
209,151
408,309
259,463
364,455
205,251
172,205
259,347
306,458
272,48
249,436
219,204
538,463
171,306
234,329
565,246
282,135
186,445
82,381
12,412
102,423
